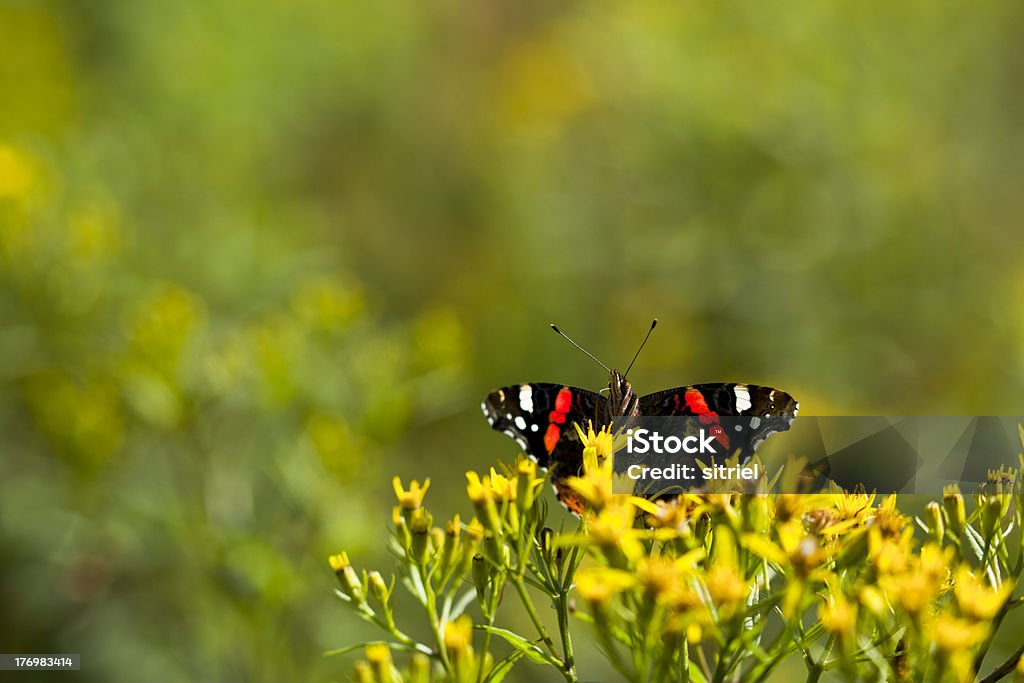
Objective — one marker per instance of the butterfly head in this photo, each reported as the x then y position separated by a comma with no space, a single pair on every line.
621,399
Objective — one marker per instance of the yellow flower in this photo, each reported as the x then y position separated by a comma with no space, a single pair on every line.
975,599
527,483
889,555
413,498
674,515
724,581
493,486
597,585
935,562
503,488
613,530
339,561
458,635
874,600
666,578
475,488
887,520
379,656
952,634
602,442
854,506
955,640
483,493
839,616
595,486
726,587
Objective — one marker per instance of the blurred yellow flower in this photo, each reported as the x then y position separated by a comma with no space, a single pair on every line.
952,634
874,600
339,561
17,173
379,657
838,615
613,529
412,498
458,634
975,599
598,584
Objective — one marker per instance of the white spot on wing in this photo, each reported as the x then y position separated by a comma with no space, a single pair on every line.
755,422
526,398
742,397
534,427
520,422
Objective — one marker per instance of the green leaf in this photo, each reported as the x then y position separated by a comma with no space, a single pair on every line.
975,540
501,669
525,646
696,675
357,646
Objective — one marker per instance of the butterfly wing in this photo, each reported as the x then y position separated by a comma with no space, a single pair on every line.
770,410
540,417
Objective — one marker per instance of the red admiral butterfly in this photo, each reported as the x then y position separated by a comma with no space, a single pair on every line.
540,416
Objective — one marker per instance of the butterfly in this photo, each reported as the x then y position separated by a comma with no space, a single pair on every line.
540,416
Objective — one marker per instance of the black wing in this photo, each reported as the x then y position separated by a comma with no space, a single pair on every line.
540,417
770,410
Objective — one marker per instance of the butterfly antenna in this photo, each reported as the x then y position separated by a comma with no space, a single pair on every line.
567,338
636,355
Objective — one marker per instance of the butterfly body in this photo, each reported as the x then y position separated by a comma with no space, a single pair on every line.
540,417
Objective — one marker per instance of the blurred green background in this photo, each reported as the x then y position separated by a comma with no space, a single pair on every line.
255,258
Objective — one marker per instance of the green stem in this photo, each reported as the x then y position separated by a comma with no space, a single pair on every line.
492,608
816,669
524,597
435,625
1005,668
562,603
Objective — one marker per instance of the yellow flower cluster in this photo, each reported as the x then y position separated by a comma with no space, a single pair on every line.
716,566
719,585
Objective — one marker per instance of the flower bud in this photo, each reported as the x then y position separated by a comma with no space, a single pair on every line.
436,538
756,517
419,668
364,674
347,577
526,484
450,542
956,516
409,500
379,656
482,497
378,589
991,512
419,547
545,540
481,577
933,520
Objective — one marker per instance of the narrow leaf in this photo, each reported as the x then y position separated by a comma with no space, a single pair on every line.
525,646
